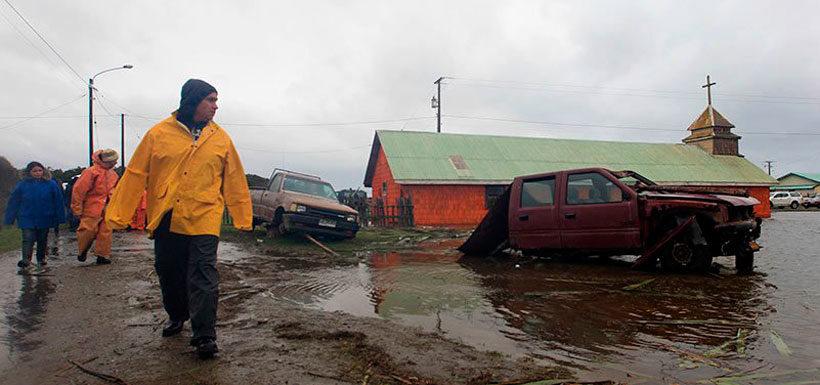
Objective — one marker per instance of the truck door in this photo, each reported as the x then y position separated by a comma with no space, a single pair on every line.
532,219
267,202
598,212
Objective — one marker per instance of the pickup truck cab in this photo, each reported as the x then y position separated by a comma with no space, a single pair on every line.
596,211
296,202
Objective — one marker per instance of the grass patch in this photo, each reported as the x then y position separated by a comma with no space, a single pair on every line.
367,239
10,238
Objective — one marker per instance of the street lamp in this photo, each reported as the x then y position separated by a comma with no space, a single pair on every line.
91,109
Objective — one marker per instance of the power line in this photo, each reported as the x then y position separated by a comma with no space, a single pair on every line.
547,84
46,42
30,43
306,152
312,124
540,89
43,113
625,127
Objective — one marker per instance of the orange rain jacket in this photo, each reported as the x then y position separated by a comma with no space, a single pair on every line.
196,179
92,189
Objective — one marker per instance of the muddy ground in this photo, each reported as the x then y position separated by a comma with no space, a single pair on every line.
107,319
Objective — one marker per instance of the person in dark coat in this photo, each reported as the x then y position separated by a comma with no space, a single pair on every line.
36,204
73,222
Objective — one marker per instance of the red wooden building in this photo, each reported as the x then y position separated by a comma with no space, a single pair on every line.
454,178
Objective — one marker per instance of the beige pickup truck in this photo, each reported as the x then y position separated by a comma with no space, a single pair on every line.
296,202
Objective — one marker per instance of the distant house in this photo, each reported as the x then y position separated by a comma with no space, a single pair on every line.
453,178
803,182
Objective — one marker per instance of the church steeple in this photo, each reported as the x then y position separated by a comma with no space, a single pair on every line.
711,131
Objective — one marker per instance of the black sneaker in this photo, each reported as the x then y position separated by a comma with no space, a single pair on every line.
82,257
103,261
172,328
22,264
206,348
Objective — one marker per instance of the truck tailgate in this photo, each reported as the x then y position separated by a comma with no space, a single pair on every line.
492,232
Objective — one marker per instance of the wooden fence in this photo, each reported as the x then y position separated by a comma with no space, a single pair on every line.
398,215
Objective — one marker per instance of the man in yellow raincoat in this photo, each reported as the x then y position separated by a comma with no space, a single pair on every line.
191,171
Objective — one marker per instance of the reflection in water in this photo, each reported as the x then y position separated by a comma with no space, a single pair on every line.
24,317
577,314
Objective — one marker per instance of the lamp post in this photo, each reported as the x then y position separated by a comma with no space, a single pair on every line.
91,109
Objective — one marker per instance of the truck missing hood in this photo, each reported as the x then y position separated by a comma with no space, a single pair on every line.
595,211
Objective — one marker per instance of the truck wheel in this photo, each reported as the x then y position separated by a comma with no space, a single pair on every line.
744,262
277,226
794,205
685,257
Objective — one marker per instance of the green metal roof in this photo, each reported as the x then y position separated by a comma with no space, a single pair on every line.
427,158
794,187
804,175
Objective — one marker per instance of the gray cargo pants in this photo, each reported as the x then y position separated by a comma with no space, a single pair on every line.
186,267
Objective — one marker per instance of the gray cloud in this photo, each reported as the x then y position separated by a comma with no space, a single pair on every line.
356,61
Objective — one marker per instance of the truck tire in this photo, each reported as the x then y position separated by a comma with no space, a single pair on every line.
744,262
277,228
794,205
684,257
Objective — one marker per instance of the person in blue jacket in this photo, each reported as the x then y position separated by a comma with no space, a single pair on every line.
36,204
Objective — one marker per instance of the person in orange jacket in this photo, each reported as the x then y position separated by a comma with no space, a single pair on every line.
88,200
138,222
192,172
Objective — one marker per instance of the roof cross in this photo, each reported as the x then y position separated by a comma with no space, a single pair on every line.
708,87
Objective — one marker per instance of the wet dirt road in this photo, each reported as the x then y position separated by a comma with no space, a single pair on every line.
315,319
722,328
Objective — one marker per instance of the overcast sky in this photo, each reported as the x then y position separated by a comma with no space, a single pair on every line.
604,70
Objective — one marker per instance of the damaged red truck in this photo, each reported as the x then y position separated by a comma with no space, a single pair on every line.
595,211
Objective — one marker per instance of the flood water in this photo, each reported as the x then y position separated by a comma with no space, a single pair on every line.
678,328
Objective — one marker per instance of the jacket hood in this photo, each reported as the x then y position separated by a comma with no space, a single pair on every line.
95,158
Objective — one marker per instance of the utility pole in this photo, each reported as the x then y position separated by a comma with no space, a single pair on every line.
91,109
769,166
436,103
90,121
122,143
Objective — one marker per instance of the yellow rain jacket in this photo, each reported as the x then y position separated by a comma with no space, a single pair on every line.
196,179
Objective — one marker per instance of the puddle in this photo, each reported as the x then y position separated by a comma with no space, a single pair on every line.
577,314
23,300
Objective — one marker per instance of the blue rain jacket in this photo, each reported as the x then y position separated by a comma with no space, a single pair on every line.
36,204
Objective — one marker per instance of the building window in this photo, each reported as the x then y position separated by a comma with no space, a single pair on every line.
384,189
491,194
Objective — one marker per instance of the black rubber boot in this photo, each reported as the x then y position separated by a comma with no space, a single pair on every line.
103,261
206,348
172,328
82,257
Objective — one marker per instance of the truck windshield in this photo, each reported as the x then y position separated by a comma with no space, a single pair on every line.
310,187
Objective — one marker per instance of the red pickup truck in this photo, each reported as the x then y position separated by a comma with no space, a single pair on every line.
596,211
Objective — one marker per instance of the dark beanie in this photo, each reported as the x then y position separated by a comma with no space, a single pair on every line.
34,164
193,92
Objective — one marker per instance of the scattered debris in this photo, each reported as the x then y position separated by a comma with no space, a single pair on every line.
779,344
317,243
105,377
738,344
639,285
694,322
